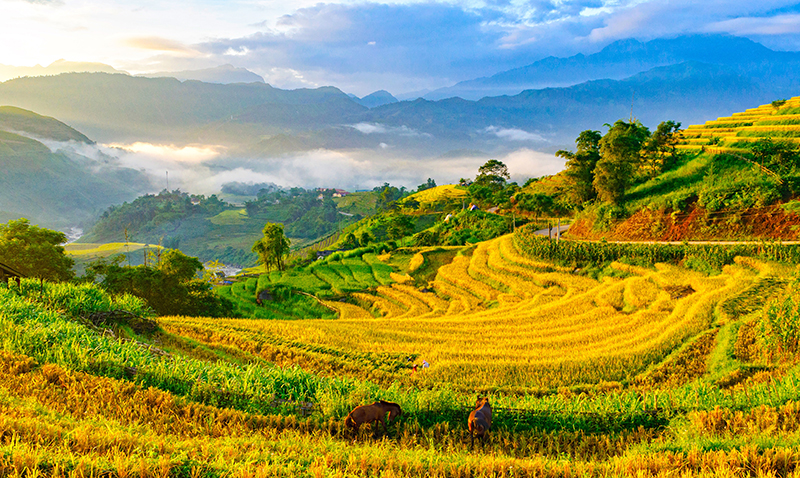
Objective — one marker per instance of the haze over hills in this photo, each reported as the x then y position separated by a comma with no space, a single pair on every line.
53,175
58,67
250,119
625,58
222,74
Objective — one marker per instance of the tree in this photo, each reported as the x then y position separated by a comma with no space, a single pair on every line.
35,251
272,248
620,155
580,166
493,174
399,227
426,185
660,150
388,196
179,266
365,238
170,287
782,157
538,203
350,241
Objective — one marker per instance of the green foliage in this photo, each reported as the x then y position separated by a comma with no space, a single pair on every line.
272,248
399,226
581,165
539,204
620,156
493,174
660,153
170,286
780,321
782,157
302,211
151,217
430,183
35,251
389,195
466,227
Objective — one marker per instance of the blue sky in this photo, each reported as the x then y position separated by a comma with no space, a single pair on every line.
364,46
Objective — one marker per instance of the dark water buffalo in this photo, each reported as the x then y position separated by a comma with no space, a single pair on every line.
372,414
480,421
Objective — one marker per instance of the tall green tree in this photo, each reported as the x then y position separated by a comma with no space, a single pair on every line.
660,151
620,157
272,248
493,173
35,251
580,166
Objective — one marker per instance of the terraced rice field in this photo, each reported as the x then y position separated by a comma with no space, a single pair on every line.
434,198
495,319
726,134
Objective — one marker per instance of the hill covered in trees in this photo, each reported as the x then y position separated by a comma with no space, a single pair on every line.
47,179
734,178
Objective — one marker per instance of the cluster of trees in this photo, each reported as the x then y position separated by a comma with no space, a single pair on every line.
491,185
605,166
35,251
301,211
466,227
778,156
170,284
144,218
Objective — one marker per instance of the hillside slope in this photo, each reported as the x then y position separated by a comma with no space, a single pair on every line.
738,178
57,188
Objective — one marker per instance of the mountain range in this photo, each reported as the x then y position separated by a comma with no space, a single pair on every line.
258,120
223,74
625,58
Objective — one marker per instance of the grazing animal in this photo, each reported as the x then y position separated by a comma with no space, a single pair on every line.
372,414
480,421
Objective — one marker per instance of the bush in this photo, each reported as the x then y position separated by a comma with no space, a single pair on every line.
780,322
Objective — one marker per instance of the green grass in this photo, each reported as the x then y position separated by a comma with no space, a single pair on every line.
232,217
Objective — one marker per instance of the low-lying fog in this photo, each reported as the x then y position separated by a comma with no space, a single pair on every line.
203,169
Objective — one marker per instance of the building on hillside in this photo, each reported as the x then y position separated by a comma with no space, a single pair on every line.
337,193
8,273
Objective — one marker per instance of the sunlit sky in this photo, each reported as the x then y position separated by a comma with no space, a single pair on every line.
364,46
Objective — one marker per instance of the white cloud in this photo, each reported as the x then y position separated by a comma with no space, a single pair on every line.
169,153
369,128
514,134
778,25
237,52
376,128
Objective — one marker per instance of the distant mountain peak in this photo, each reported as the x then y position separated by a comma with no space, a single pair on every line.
222,74
618,60
375,99
58,67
